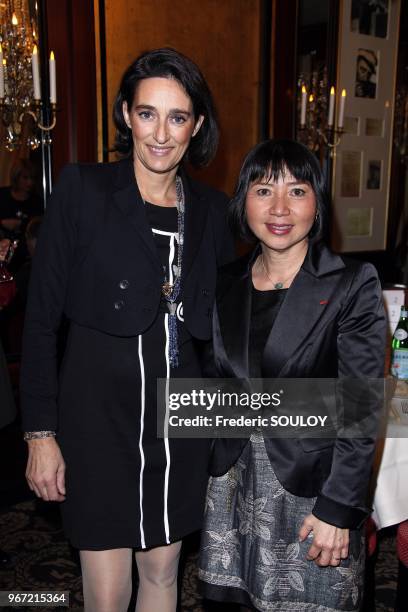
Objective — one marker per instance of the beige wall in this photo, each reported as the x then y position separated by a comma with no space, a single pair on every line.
222,37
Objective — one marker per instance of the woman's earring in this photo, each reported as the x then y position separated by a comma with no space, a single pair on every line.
316,216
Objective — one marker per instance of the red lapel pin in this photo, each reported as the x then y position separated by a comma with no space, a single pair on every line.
323,302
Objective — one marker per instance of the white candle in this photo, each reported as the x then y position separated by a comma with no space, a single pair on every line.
331,107
36,74
2,92
303,107
341,110
53,79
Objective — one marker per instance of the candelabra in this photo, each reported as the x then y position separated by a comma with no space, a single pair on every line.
21,108
316,111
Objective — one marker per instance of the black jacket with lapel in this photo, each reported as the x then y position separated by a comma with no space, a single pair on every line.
95,235
331,324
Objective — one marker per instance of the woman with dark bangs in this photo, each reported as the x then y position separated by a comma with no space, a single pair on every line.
283,524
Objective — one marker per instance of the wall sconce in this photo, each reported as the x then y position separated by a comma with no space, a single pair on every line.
316,112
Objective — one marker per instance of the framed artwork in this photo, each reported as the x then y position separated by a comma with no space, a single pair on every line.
370,17
367,61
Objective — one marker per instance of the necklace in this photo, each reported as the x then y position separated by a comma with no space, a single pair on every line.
171,291
279,284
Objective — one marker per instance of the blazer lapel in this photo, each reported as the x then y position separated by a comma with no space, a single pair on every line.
234,316
127,199
308,299
129,202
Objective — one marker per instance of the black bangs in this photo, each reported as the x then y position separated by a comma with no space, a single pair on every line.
274,161
268,162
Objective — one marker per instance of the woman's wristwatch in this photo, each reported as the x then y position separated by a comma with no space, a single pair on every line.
36,435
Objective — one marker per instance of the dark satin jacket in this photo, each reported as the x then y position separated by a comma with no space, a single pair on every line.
331,324
97,263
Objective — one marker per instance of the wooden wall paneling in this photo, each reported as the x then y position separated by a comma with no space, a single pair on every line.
84,80
71,37
284,68
266,72
222,37
60,41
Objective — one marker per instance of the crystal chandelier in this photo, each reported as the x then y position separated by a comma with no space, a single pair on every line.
20,92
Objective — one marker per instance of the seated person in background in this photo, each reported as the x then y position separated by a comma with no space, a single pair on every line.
7,287
13,296
18,204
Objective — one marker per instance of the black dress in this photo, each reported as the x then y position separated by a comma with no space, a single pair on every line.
125,486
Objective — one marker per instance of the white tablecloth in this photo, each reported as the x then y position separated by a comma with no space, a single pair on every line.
391,494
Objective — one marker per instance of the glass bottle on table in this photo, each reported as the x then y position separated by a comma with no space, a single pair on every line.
399,347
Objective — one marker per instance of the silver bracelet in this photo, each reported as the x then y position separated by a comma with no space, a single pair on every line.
38,435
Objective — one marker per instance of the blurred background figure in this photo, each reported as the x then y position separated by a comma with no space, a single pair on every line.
18,204
13,295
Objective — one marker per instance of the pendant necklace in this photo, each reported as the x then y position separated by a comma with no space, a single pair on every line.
171,291
279,284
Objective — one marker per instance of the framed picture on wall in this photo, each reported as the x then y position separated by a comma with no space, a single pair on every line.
370,17
367,61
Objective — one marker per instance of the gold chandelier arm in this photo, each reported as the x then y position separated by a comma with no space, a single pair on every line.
50,127
43,128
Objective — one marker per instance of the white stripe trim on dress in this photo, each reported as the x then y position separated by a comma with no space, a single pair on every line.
142,457
163,233
166,434
166,419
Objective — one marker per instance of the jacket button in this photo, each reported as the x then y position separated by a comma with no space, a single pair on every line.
118,305
204,291
124,284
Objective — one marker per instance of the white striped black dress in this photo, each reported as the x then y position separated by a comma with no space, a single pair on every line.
125,486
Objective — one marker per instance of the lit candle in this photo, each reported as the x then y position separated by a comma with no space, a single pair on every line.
36,74
341,110
53,79
1,74
311,98
331,107
303,107
5,77
14,20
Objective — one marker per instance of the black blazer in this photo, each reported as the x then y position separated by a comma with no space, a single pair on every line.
95,234
331,324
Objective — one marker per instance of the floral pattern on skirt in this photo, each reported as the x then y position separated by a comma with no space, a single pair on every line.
250,551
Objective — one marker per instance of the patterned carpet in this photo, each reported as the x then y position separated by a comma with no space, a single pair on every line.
42,559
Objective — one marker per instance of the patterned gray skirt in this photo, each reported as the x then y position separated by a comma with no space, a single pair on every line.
250,552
